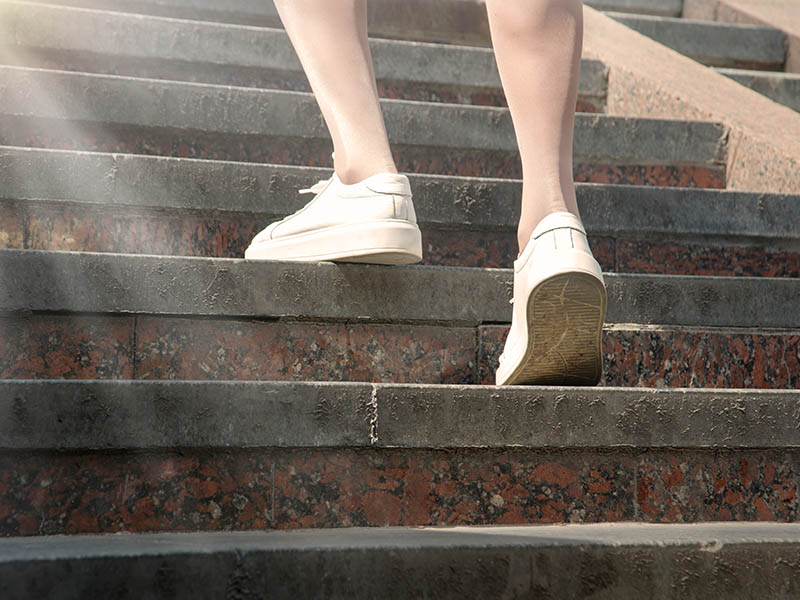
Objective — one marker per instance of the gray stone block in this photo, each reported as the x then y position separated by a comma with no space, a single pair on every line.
123,36
452,21
727,561
270,191
783,88
52,416
32,280
717,44
663,8
224,110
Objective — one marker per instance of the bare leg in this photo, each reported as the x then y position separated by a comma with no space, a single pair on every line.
330,37
538,49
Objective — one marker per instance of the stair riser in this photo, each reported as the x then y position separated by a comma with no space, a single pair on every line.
287,489
589,100
315,152
192,233
146,348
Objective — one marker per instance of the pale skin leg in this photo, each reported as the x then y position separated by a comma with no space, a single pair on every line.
537,45
330,38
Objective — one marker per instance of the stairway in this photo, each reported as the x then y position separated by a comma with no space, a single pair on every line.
154,383
753,55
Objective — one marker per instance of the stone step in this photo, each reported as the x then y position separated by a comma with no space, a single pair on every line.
783,88
451,21
716,44
89,457
662,8
63,109
714,562
106,316
116,43
101,202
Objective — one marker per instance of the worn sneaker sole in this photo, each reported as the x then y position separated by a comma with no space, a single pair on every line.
385,242
565,315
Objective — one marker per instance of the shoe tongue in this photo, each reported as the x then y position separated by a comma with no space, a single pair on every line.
556,220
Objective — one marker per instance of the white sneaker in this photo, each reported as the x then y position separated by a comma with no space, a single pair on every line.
559,309
372,221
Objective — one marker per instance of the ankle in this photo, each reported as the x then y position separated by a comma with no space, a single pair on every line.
349,174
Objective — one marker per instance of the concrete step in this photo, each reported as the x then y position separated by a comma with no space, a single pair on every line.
105,316
116,43
662,8
720,561
89,457
451,21
100,202
783,88
716,44
61,109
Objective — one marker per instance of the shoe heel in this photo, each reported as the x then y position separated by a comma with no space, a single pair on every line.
565,316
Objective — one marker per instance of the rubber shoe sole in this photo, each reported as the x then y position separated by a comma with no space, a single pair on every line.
565,315
385,242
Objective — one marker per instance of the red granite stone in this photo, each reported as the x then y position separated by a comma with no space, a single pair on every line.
718,487
184,234
12,225
66,347
490,249
183,348
654,175
669,258
287,489
677,358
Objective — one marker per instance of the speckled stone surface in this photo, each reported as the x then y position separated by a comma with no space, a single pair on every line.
66,347
198,234
88,347
260,489
671,258
658,358
183,234
316,152
174,348
12,226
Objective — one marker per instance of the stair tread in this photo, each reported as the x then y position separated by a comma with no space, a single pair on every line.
122,35
268,191
56,415
739,560
684,535
40,280
228,110
711,42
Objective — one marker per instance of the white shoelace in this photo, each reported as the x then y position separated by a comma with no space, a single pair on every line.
317,187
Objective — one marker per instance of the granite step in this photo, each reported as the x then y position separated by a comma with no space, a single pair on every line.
714,44
713,562
102,202
114,43
109,316
92,457
661,8
783,88
450,21
61,109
